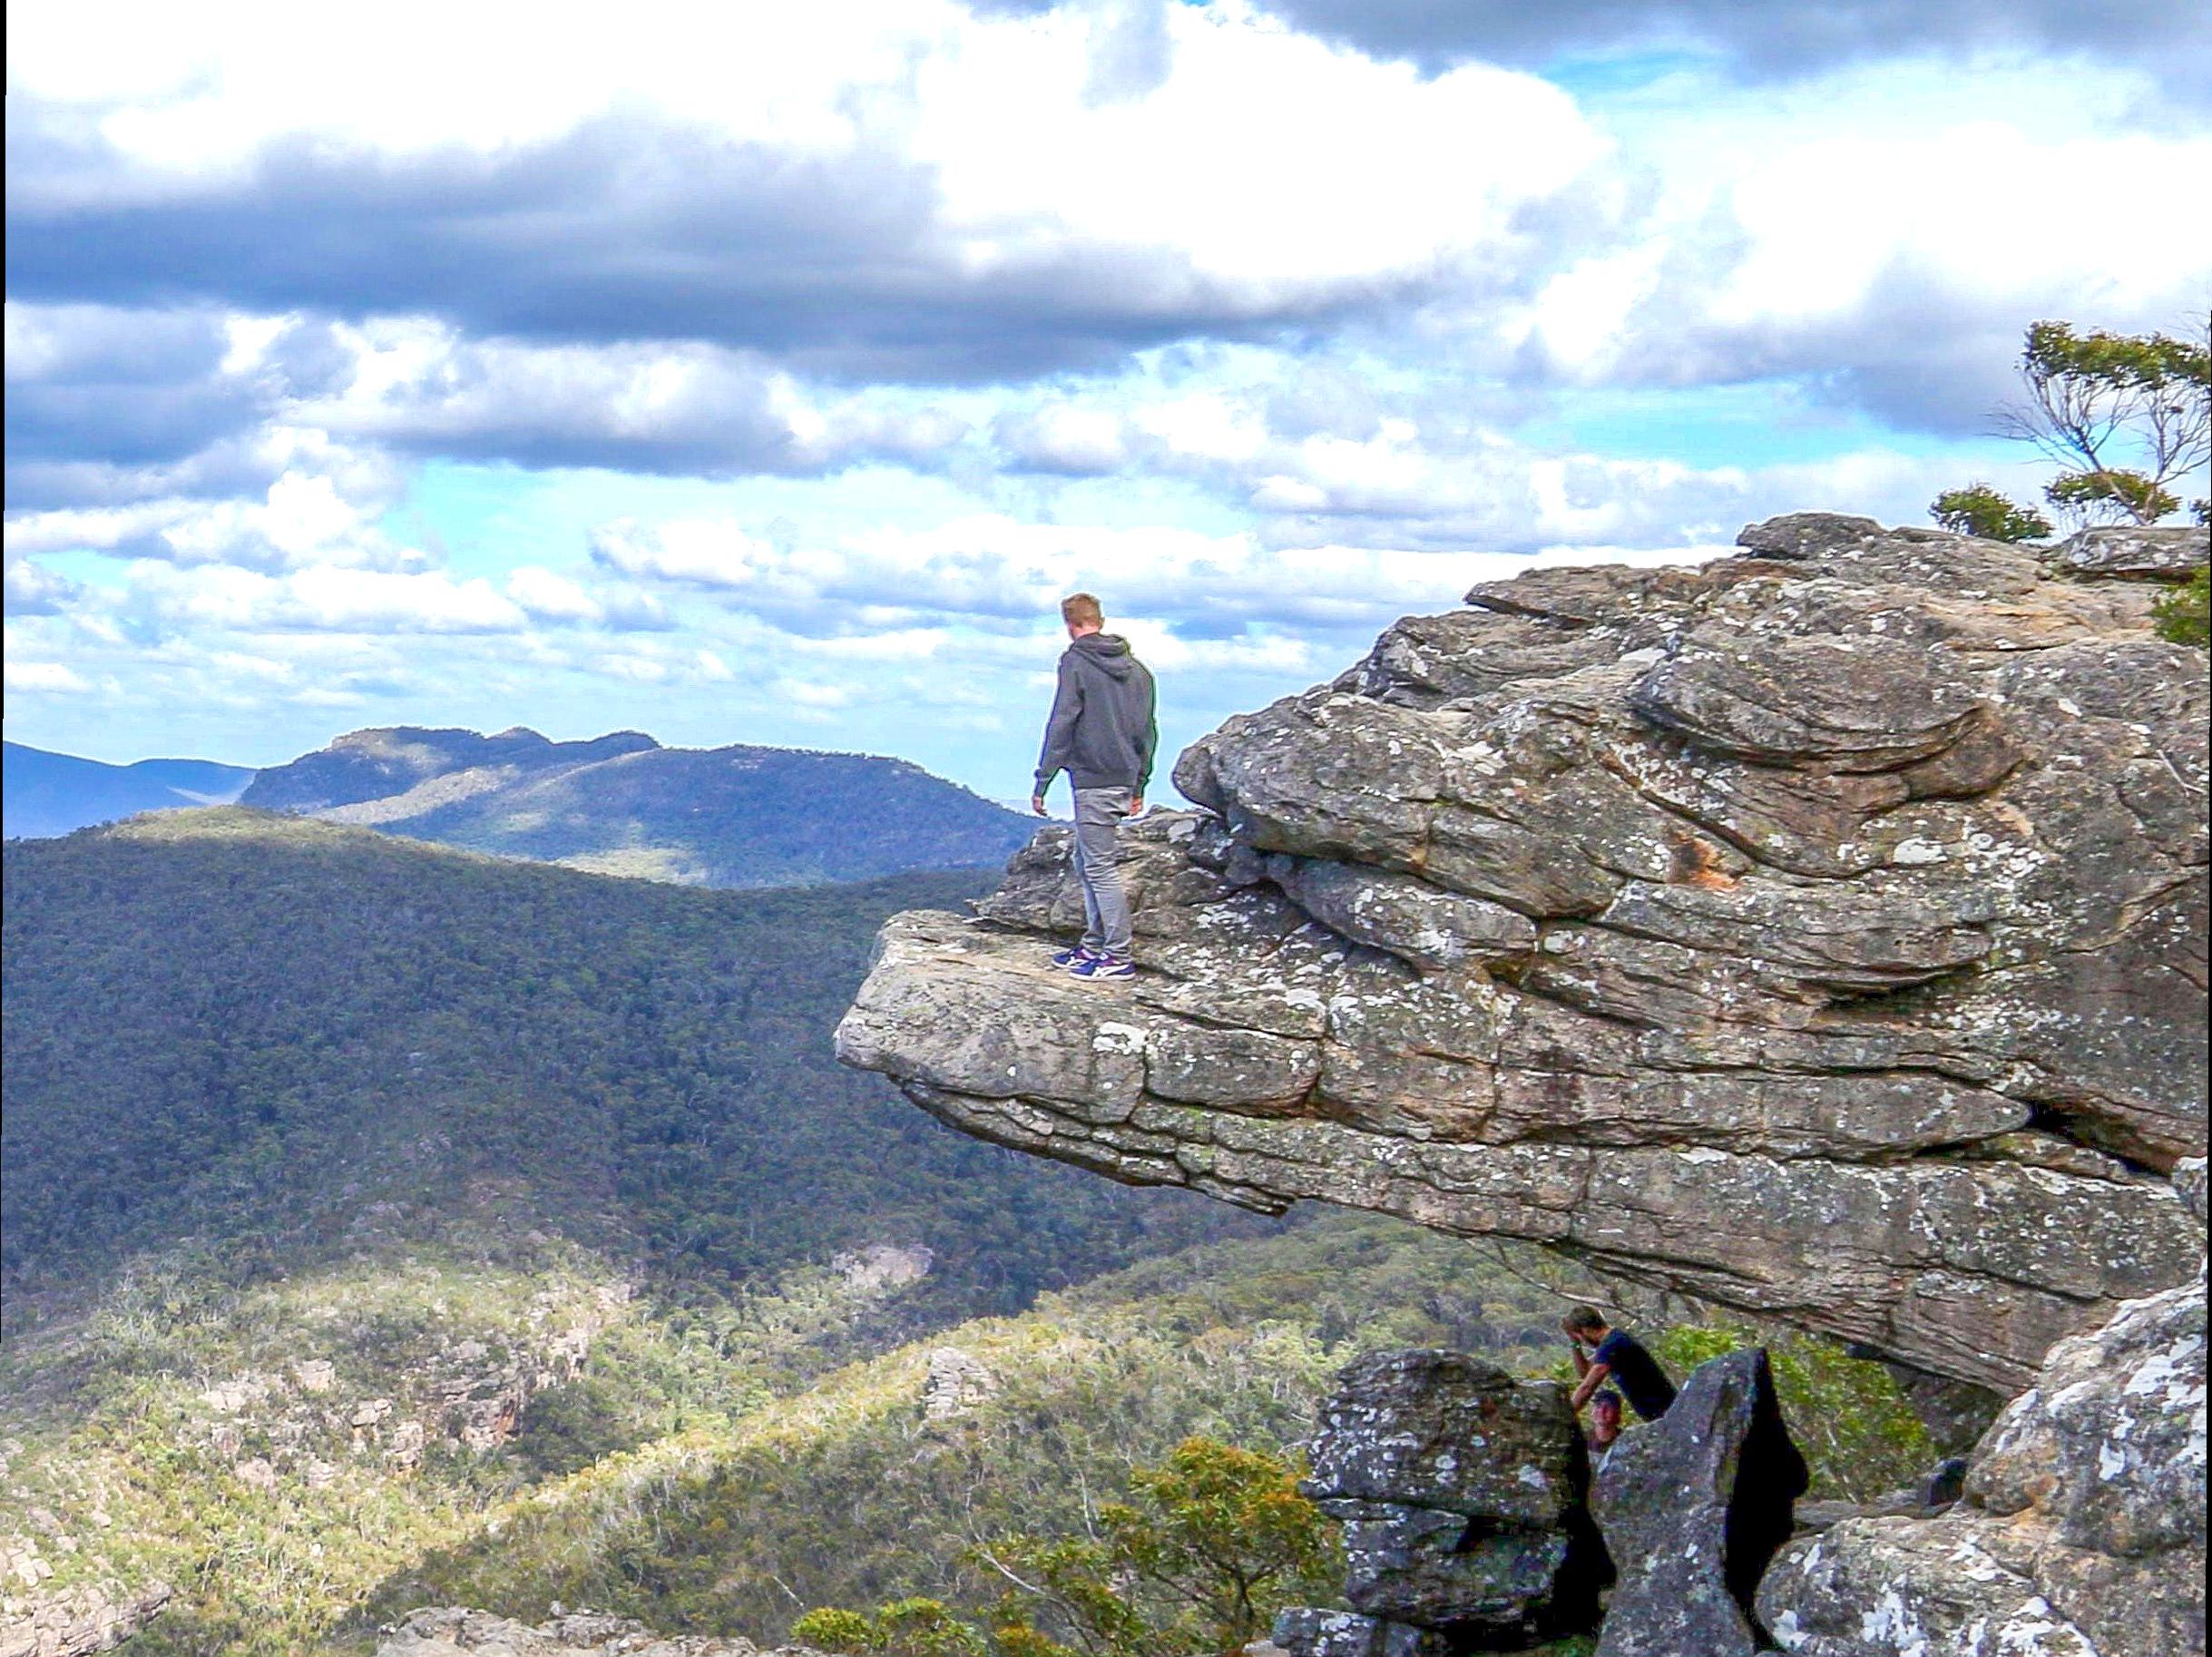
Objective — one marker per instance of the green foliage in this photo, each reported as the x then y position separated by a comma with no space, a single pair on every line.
2184,616
2126,414
1978,510
2112,494
293,1093
905,1628
1859,1436
1210,1544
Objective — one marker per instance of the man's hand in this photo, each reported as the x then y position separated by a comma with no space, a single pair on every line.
1036,804
1593,1377
1136,805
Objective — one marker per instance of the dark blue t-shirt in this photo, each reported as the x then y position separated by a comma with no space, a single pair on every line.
1637,1373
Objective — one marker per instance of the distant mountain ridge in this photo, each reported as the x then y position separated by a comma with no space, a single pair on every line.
387,763
46,793
623,804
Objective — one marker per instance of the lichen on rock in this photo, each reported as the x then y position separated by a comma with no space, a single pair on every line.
2082,1530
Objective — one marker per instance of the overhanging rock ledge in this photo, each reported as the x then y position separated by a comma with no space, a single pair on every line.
1820,931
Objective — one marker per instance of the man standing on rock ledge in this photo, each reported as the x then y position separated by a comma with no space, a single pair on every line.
1102,733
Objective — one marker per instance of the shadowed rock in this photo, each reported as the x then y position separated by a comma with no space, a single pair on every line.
2128,550
1693,1506
1308,1632
1462,1496
1819,932
2082,1530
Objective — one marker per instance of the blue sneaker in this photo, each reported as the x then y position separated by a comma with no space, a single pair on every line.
1067,957
1103,967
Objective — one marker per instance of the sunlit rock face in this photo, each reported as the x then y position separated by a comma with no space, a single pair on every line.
1820,931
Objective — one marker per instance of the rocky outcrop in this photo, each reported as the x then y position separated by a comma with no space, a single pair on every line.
471,1392
1693,1507
1462,1493
957,1384
452,1632
79,1622
1819,931
2082,1530
2128,551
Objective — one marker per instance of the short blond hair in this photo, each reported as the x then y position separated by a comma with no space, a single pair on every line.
1082,610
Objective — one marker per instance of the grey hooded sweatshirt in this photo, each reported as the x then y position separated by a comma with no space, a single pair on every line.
1103,732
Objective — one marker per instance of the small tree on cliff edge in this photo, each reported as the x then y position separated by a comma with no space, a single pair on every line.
2094,397
2095,400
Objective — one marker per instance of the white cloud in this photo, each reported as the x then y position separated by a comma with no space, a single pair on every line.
49,677
1270,158
808,694
670,406
1266,161
877,592
304,519
323,598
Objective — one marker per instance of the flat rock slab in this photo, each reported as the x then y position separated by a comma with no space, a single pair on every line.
1440,1431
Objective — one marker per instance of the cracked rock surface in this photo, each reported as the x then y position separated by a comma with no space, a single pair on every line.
1819,931
1693,1506
1461,1492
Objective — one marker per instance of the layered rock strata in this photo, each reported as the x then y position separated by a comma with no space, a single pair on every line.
1820,931
1462,1494
1694,1506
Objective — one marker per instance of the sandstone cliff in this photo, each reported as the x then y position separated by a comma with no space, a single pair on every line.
1819,931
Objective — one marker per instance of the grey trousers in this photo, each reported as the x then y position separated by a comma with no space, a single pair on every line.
1098,814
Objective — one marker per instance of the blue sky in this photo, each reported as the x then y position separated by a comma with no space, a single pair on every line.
765,376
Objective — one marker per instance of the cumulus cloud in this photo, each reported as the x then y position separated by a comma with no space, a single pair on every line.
302,520
849,201
883,594
49,678
1771,38
416,385
1881,238
768,367
547,597
34,590
325,598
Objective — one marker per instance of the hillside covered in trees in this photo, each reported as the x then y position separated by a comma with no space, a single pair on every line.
287,1036
387,1224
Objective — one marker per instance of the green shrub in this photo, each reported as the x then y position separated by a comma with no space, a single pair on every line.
2184,616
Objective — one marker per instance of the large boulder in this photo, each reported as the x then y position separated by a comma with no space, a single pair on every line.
1693,1507
1820,931
1462,1496
2082,1530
